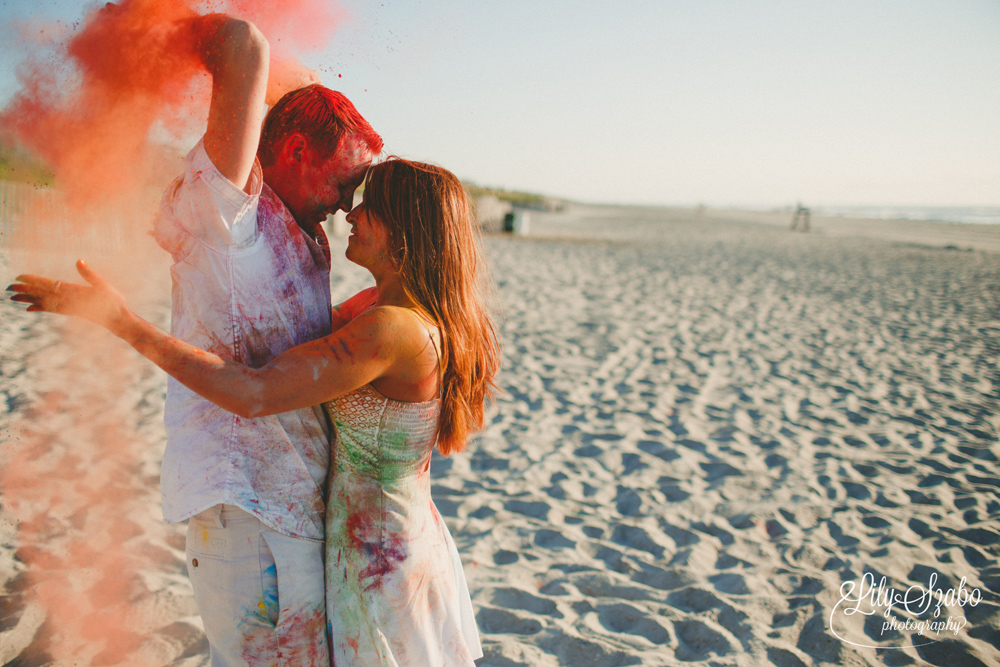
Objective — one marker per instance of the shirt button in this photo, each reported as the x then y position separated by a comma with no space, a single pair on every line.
194,561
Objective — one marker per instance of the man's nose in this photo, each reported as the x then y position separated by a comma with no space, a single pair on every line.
347,203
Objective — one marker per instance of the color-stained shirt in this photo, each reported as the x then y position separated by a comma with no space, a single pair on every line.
248,284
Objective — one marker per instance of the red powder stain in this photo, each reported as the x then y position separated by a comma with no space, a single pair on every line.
298,639
379,555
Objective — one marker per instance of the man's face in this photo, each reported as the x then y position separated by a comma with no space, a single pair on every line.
327,185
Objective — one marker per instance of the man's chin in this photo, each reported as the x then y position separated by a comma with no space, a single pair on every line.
316,219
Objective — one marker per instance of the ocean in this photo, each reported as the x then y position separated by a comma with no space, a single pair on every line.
978,215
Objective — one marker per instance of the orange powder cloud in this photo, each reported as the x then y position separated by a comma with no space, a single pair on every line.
129,73
100,102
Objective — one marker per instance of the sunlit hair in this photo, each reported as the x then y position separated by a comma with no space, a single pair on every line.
321,114
434,247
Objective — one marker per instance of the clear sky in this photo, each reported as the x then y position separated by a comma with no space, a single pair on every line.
674,101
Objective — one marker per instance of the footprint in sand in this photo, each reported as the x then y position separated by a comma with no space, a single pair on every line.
550,539
514,598
504,557
534,509
658,449
500,621
697,641
626,618
636,538
659,578
732,584
670,487
780,657
628,502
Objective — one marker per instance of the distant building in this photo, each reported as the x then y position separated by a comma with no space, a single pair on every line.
489,212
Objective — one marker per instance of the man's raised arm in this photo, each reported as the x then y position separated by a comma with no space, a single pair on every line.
236,55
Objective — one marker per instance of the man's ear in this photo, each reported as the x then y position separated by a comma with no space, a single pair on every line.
292,153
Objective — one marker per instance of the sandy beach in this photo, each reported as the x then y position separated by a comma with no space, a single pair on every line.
713,432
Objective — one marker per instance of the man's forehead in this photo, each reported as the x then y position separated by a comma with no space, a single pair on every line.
353,154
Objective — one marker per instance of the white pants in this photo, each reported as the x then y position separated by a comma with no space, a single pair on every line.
260,593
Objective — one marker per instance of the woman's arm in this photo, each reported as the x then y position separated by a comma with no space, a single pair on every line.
307,375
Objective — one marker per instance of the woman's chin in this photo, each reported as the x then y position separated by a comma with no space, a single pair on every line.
349,254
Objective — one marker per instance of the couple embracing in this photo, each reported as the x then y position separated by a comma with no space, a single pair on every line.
312,536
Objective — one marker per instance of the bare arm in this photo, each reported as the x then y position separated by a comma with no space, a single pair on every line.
306,375
236,55
365,349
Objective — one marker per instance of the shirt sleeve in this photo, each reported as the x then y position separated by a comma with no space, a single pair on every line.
204,206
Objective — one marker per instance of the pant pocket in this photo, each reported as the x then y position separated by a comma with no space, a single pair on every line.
268,582
206,538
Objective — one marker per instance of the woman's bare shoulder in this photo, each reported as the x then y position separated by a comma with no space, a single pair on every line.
346,311
400,327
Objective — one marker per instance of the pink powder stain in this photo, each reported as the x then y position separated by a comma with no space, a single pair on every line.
380,553
299,645
352,642
298,639
260,641
292,26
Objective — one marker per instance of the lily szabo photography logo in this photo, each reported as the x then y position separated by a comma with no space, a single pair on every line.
870,611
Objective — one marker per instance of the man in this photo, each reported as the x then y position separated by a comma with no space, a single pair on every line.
251,280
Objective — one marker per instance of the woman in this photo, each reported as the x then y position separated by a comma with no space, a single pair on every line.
408,365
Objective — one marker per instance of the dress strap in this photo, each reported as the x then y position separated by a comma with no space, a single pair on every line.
437,352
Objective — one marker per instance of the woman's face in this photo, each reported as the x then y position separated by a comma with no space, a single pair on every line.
366,246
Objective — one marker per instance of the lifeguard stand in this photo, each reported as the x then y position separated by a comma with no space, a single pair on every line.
801,218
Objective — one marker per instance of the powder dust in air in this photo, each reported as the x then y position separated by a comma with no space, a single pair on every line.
110,105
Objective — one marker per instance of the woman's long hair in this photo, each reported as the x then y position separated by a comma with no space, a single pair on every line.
434,248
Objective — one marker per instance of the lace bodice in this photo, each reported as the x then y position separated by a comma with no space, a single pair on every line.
380,437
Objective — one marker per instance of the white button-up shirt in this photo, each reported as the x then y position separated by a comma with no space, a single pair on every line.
248,284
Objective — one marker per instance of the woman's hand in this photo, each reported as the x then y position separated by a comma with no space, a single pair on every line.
98,302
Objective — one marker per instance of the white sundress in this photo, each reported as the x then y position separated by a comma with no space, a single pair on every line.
396,593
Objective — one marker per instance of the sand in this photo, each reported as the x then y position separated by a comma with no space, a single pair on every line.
709,425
